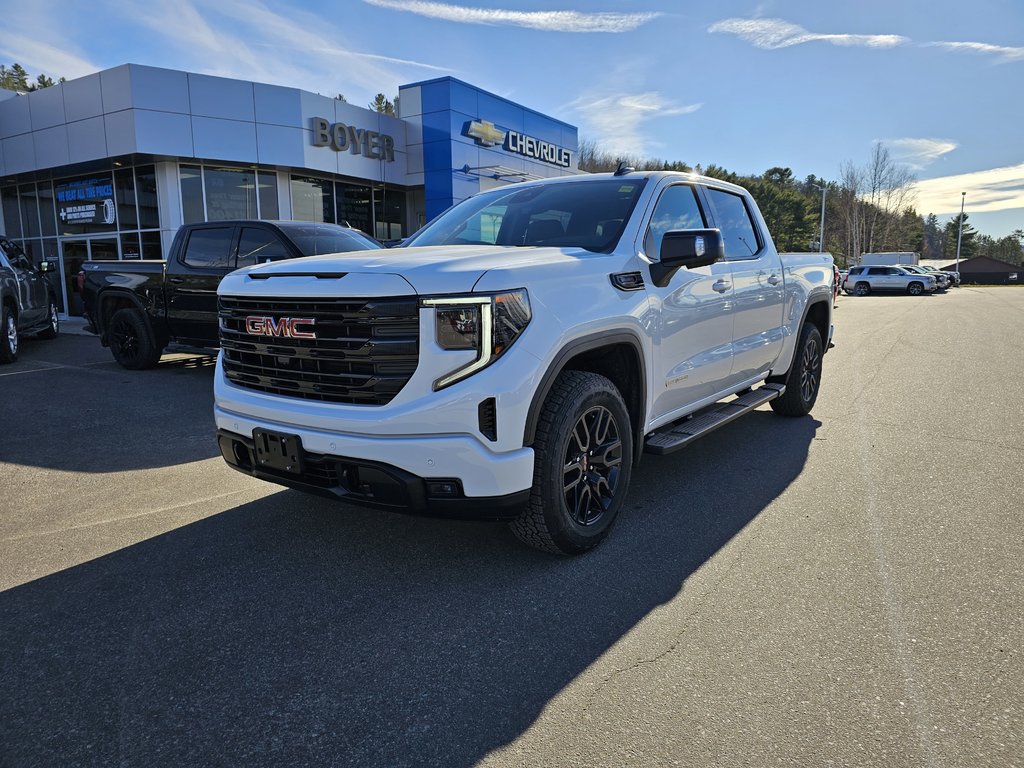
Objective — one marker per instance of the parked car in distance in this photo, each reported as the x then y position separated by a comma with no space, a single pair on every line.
941,278
138,308
862,280
28,303
954,277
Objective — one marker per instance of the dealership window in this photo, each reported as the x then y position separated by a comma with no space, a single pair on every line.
130,246
354,206
389,214
29,210
269,208
313,200
124,193
47,211
12,214
151,247
145,191
85,205
230,194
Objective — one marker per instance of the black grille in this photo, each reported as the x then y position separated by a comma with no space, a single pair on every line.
364,352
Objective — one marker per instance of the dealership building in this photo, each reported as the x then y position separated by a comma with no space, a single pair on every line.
108,166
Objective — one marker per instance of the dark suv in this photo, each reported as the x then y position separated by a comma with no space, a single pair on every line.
28,303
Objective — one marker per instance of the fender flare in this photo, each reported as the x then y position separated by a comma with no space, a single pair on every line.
118,293
572,349
816,299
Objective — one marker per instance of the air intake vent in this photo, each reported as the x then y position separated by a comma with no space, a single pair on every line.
487,412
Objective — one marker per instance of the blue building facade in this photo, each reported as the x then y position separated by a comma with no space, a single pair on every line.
108,166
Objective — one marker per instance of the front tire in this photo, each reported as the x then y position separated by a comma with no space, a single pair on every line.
53,329
131,341
8,336
803,379
915,289
583,463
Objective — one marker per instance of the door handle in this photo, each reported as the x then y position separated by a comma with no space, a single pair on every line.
721,286
176,280
774,280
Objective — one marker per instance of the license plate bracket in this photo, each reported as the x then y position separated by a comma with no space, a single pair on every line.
278,451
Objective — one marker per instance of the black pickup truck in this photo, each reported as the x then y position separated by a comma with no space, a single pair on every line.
28,302
140,307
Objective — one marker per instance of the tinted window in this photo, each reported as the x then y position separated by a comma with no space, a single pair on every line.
257,245
210,248
145,191
677,209
230,193
733,218
877,271
317,239
192,194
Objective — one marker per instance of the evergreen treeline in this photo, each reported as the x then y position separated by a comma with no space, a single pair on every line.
16,78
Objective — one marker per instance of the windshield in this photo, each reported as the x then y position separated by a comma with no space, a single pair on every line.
318,239
588,214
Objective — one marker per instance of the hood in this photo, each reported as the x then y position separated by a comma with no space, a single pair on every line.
429,269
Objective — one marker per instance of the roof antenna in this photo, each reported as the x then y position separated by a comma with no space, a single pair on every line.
623,168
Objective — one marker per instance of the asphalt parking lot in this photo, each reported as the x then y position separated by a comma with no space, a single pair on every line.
844,589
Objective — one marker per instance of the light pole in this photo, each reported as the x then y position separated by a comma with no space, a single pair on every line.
960,230
821,235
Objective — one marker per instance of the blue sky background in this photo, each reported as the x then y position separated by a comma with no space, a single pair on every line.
745,85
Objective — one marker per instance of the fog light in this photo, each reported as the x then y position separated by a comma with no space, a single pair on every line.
443,488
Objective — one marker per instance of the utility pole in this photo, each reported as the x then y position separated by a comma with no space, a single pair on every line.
960,230
821,235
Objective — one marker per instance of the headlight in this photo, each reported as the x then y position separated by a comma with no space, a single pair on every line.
488,323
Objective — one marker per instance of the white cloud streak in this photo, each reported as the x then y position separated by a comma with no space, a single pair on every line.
997,189
616,121
548,21
770,34
1005,53
250,41
918,154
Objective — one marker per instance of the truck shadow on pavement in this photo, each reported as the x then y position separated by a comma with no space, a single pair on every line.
293,631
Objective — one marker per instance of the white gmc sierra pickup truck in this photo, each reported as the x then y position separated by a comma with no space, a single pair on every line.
515,358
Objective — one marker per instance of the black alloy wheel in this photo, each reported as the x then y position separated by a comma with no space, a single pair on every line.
130,340
810,369
593,459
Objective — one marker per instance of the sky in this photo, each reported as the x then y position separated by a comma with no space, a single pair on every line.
745,85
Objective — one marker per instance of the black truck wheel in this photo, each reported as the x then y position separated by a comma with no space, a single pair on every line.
804,376
52,331
131,341
8,335
584,452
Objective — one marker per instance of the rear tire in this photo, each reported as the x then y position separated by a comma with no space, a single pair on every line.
8,336
131,341
862,289
53,329
803,380
583,462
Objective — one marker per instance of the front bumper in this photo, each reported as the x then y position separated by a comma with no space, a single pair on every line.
448,475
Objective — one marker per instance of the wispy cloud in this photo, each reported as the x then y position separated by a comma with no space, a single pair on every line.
918,154
616,121
997,189
770,34
1005,53
548,21
294,49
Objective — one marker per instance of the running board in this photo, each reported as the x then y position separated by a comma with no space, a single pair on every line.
682,433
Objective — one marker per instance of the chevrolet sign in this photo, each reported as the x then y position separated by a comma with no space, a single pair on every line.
489,135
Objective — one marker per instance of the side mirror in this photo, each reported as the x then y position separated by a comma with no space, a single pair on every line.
687,248
45,266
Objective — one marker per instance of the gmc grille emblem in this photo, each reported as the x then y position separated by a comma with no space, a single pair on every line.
262,325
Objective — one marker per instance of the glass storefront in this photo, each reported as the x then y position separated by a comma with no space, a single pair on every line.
377,212
215,193
105,215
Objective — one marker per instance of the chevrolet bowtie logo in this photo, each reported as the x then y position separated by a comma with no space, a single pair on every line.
485,133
